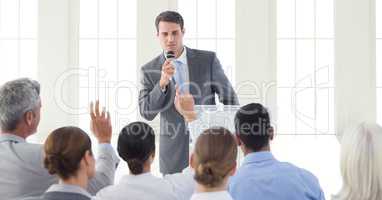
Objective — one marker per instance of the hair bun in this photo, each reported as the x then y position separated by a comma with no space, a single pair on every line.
52,163
135,165
207,174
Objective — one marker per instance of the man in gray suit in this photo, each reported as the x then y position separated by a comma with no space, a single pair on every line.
21,163
172,87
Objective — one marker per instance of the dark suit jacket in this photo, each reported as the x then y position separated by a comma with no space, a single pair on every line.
206,77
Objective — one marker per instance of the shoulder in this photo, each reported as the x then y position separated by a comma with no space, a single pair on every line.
154,63
28,151
200,53
109,192
304,175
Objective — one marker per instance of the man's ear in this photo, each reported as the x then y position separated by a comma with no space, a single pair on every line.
271,133
184,30
28,117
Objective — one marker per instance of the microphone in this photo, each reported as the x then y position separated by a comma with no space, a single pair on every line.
170,55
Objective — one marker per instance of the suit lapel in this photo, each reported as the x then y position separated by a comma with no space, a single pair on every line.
193,70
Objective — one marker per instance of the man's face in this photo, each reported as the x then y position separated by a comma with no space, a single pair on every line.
170,37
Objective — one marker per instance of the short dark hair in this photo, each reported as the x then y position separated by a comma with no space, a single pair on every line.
64,149
136,142
252,125
169,16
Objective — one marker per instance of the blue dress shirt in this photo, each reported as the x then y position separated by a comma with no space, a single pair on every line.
263,177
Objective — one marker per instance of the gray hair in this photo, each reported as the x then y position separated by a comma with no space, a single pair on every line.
361,163
16,98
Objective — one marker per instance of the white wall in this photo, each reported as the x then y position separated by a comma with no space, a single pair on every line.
55,51
355,79
256,53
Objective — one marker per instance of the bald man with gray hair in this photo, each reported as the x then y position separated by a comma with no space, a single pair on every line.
21,170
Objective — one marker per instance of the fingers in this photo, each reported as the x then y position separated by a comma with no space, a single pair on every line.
169,71
97,108
168,68
92,116
177,90
108,117
166,62
95,111
103,112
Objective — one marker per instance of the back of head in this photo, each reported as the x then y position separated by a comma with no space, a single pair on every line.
169,16
16,98
64,149
215,156
136,143
361,163
252,125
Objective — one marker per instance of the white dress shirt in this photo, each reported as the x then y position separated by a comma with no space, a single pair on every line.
146,186
223,195
22,173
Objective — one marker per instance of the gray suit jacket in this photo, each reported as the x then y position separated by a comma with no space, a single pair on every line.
59,196
206,77
22,173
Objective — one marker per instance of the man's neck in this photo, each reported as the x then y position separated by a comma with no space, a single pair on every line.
264,149
179,52
15,132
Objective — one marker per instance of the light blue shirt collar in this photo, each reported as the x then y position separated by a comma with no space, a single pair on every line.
11,137
68,188
258,157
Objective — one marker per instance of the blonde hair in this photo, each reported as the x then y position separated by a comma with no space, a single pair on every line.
361,163
215,156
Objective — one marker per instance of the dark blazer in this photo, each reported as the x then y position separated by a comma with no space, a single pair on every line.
206,78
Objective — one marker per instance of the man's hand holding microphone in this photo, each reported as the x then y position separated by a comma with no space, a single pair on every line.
184,103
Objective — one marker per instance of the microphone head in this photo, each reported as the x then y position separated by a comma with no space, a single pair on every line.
170,55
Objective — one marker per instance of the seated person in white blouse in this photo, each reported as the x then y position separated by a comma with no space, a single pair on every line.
214,161
136,146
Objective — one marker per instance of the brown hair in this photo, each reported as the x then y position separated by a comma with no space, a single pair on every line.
169,16
215,156
64,149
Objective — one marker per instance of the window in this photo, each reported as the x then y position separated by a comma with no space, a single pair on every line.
379,59
210,25
18,39
107,59
305,94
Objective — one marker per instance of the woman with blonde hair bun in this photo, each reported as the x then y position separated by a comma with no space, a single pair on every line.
214,161
361,163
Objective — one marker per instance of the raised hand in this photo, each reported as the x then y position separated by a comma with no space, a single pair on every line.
184,104
100,123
